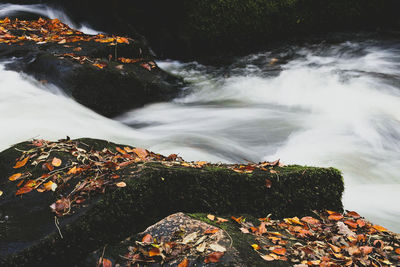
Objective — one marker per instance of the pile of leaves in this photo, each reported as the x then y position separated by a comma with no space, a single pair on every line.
75,172
43,31
329,239
194,246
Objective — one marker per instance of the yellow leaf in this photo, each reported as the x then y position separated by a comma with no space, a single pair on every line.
1,193
256,247
211,217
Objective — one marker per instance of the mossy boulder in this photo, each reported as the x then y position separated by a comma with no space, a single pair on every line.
30,237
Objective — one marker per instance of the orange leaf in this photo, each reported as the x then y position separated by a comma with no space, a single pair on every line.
353,214
48,166
280,251
262,229
154,252
15,177
310,220
72,170
351,223
397,250
334,248
100,65
23,190
211,231
147,239
256,247
361,223
56,162
213,257
21,163
238,220
142,153
120,150
335,216
107,263
184,263
379,228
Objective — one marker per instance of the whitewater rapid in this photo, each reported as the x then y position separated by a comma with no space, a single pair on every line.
318,105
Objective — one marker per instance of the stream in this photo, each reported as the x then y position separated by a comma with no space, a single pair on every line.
318,104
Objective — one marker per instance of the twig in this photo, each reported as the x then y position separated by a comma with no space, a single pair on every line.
102,256
58,227
229,237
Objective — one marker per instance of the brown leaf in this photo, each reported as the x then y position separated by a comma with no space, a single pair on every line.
334,248
120,150
15,176
221,220
72,170
213,257
351,223
335,216
21,163
154,252
56,162
262,229
268,258
184,263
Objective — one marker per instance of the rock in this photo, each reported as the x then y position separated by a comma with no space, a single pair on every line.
108,74
34,236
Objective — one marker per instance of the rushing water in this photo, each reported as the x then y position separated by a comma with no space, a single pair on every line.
321,105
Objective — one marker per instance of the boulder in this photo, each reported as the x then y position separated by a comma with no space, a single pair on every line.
106,193
108,74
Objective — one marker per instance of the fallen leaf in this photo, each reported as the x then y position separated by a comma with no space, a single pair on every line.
351,223
211,217
279,251
21,163
15,176
256,247
213,257
147,239
211,231
154,252
107,263
244,230
311,220
238,220
56,162
269,258
23,190
1,193
335,216
121,184
397,250
184,263
353,214
334,248
50,186
379,228
142,153
72,170
189,238
366,250
217,248
201,247
221,220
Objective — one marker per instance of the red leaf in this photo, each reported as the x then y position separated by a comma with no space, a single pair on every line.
213,257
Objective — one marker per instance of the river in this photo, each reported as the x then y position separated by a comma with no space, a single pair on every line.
318,104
